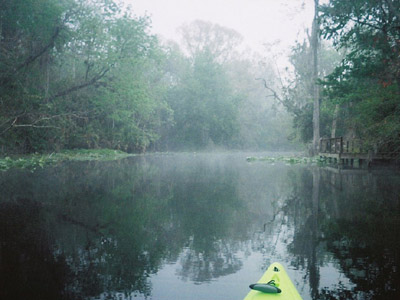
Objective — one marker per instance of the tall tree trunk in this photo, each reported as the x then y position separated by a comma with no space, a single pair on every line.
334,121
315,46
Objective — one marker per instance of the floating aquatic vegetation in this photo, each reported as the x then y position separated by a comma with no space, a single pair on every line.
34,161
291,160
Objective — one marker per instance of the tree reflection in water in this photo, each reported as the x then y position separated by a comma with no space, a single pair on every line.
349,218
112,225
29,269
93,230
214,263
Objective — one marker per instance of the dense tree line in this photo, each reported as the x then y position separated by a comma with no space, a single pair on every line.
366,85
88,74
359,74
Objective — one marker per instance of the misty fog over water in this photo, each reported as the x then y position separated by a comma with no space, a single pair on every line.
162,150
196,226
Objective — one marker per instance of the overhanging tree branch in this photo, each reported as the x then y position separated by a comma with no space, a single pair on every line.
94,80
32,58
9,127
34,123
36,126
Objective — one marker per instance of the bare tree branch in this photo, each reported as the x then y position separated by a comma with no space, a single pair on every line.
5,122
32,58
81,86
274,93
11,126
45,118
36,126
289,106
33,124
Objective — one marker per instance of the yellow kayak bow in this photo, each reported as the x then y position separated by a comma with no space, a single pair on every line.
274,284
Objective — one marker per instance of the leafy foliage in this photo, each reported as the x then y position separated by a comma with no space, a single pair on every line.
367,82
77,75
298,93
88,74
205,111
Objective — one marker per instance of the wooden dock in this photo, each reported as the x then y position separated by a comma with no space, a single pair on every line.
352,152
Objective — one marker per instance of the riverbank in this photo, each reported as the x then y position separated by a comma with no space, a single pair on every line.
286,159
39,160
36,160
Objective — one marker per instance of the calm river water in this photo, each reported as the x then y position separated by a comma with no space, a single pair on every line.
197,226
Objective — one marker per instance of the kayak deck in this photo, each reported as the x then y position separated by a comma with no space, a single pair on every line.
281,280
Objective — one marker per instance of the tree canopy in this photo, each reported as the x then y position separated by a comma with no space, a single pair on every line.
359,71
367,82
89,74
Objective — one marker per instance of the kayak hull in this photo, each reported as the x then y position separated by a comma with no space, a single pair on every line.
277,273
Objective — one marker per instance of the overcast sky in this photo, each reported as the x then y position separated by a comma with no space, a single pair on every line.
258,21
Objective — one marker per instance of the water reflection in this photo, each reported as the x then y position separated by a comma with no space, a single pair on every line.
361,231
106,230
29,267
349,218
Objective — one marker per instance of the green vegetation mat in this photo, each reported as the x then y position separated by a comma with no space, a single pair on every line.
292,160
36,160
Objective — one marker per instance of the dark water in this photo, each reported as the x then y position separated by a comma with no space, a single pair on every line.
196,227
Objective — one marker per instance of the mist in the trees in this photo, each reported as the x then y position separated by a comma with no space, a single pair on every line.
85,74
141,148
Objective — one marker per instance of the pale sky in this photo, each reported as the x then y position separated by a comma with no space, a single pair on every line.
258,21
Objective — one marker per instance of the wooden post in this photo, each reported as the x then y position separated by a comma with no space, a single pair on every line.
341,144
337,145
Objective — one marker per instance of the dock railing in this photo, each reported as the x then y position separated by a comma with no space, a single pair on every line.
343,151
338,145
